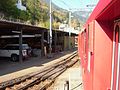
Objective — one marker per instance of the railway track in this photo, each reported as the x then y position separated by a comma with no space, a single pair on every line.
42,79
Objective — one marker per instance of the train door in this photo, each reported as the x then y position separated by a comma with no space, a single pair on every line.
116,61
83,48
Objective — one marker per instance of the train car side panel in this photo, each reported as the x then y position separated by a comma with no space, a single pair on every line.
88,56
102,56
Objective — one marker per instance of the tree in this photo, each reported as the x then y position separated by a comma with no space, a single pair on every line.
37,12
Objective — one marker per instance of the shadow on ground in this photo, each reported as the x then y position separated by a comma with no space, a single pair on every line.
8,66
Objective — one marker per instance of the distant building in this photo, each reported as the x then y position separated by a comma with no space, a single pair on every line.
62,27
20,6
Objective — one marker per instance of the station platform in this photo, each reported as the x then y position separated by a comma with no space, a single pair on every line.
10,70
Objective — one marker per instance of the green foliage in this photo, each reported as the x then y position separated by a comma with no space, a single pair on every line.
8,7
47,24
36,12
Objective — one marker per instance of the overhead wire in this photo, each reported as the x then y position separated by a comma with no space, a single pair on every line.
61,1
71,8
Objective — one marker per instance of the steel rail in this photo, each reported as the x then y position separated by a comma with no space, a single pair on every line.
38,76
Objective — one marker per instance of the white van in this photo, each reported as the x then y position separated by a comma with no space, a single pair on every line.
12,50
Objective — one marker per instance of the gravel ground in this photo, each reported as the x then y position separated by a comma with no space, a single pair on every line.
73,75
10,70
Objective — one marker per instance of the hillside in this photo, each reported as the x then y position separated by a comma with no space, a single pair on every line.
82,16
37,13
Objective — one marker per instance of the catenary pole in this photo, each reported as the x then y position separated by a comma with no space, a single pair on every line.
50,42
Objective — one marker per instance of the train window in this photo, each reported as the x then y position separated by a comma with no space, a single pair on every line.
85,44
88,37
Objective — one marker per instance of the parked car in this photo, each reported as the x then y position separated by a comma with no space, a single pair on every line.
12,51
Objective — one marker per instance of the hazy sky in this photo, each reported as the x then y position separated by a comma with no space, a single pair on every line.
67,4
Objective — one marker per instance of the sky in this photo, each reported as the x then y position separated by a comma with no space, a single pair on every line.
74,4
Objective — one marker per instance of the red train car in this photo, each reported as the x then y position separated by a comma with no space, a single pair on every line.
99,47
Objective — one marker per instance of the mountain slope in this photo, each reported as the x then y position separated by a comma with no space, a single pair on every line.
82,15
38,13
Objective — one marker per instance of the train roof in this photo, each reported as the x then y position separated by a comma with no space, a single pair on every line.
105,10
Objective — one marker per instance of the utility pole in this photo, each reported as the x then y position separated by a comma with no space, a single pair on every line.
69,29
91,8
50,34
